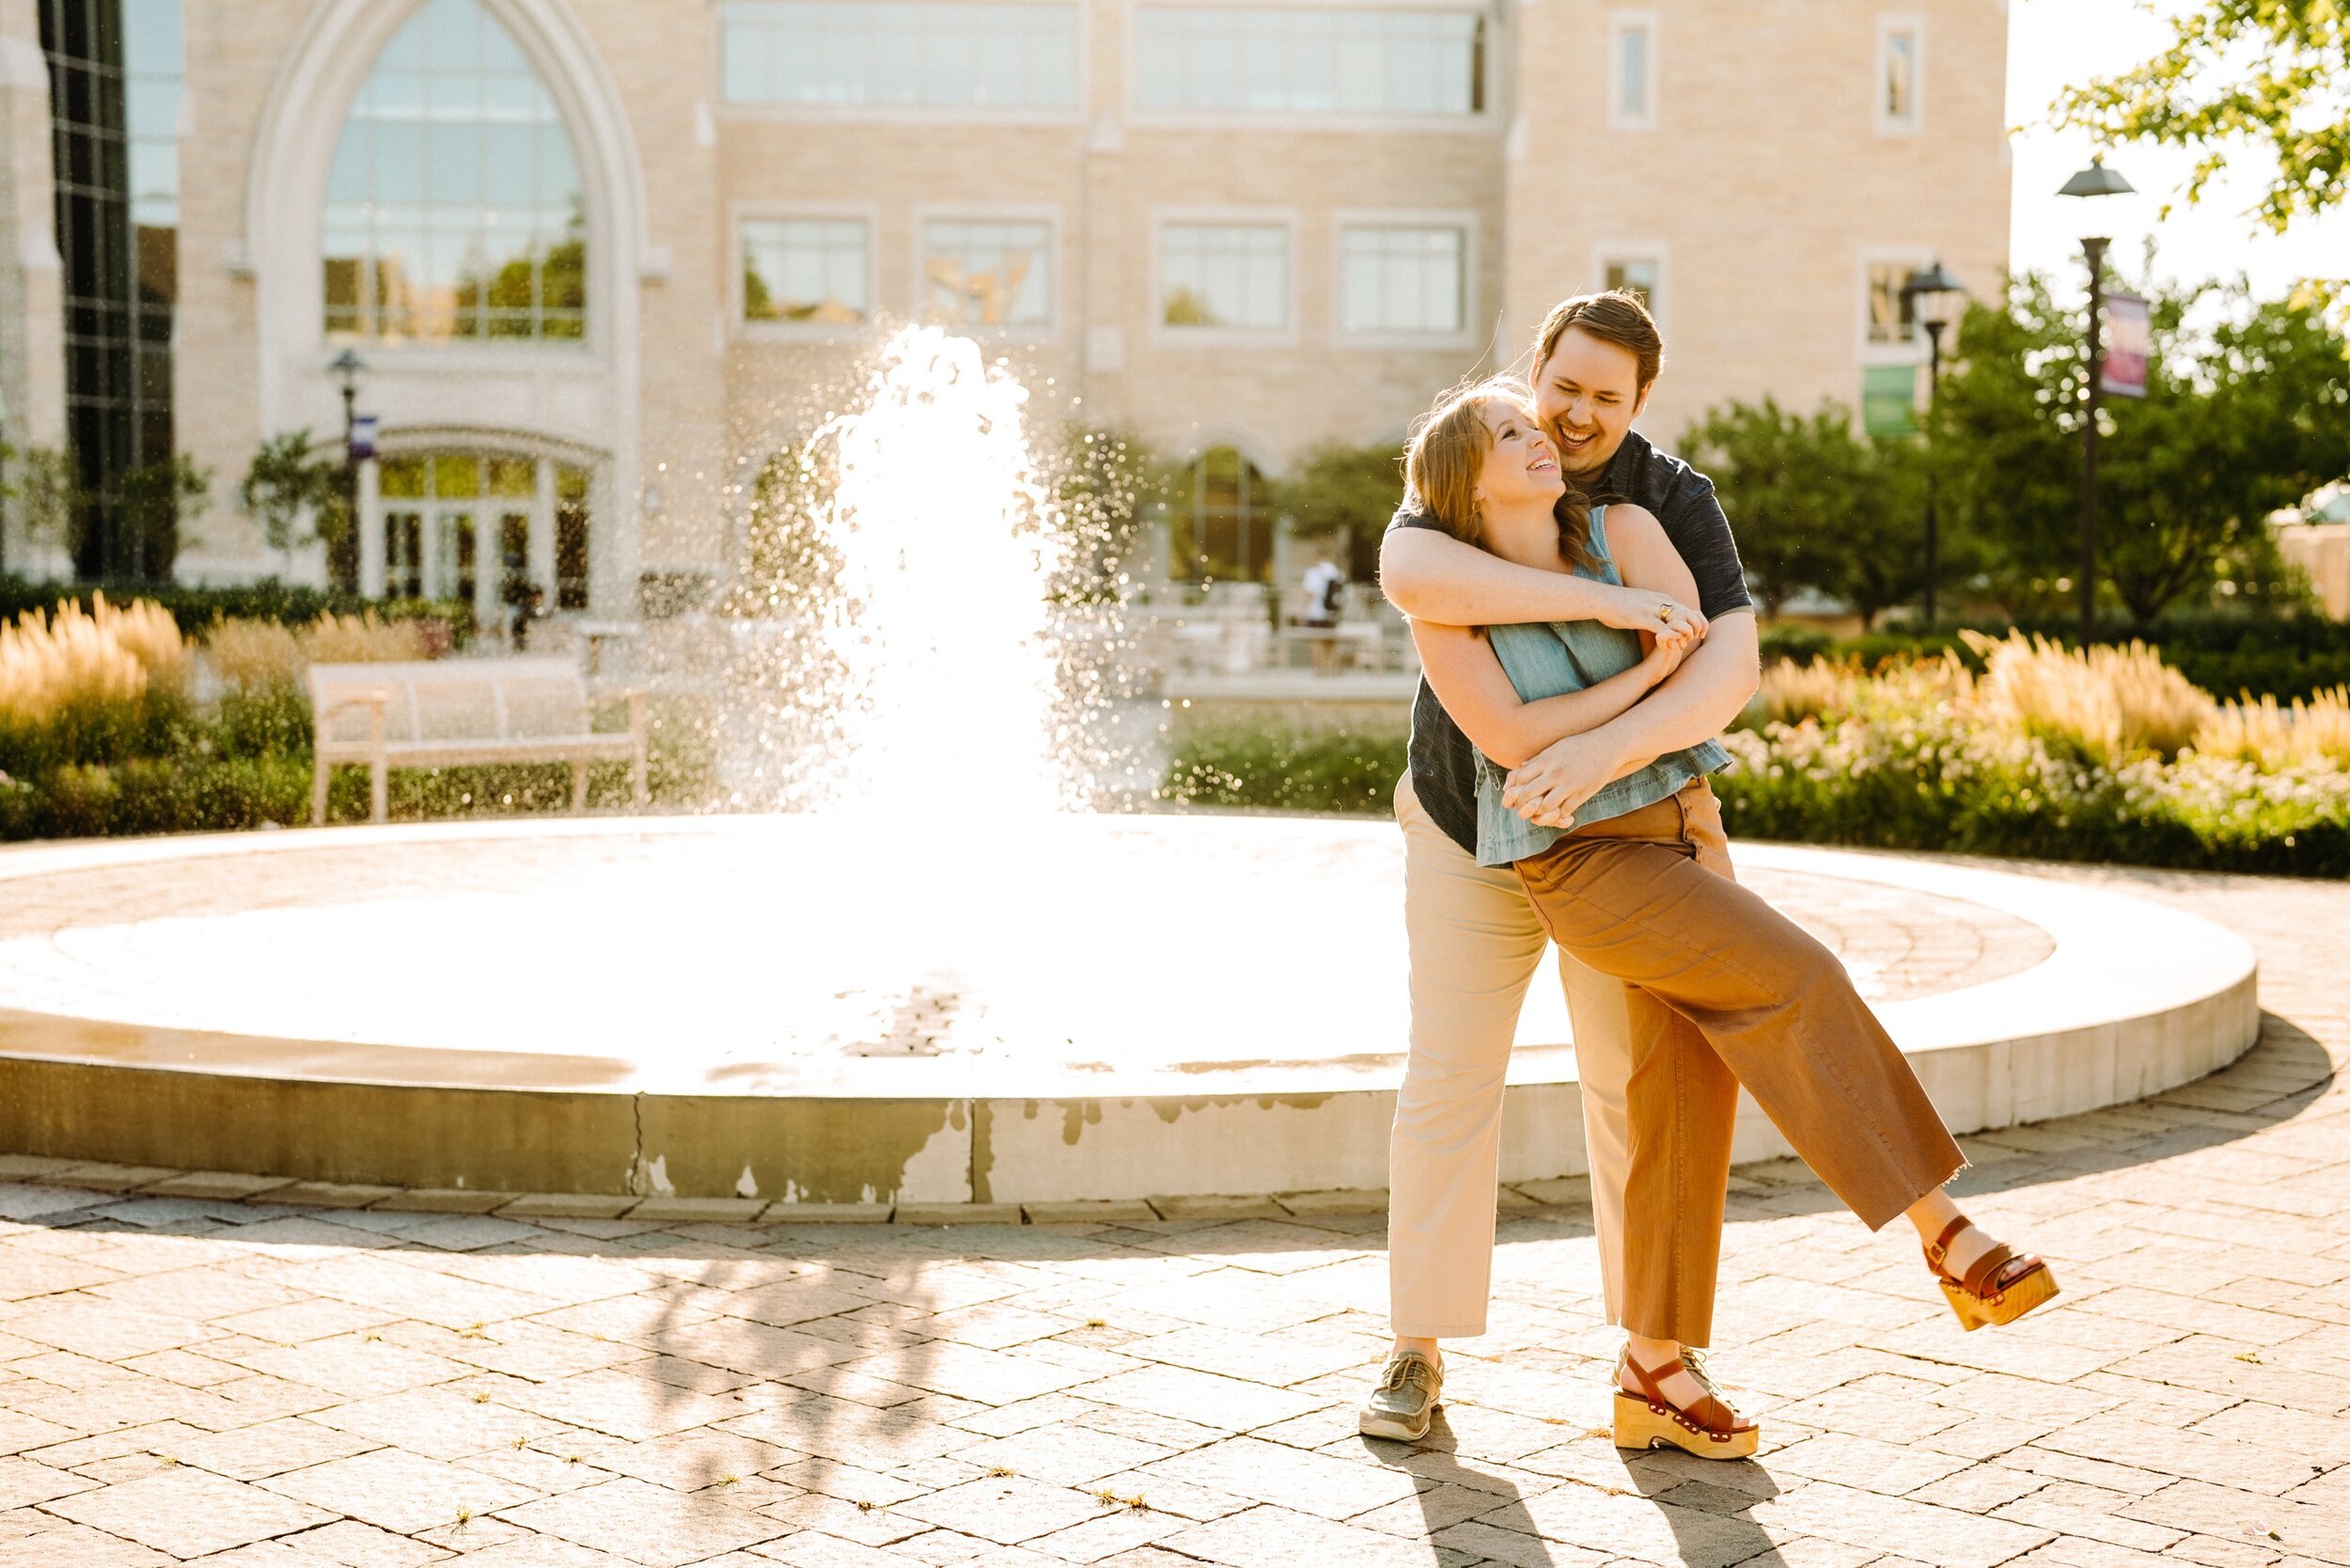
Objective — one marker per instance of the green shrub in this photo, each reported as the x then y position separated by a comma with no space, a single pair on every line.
197,793
195,608
1315,768
273,721
1801,644
1939,781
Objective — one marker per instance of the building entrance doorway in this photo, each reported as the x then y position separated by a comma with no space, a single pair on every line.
496,530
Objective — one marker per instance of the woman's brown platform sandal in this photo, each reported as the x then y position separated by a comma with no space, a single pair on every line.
1709,1428
1997,1287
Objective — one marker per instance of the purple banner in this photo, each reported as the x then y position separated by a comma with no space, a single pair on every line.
2129,342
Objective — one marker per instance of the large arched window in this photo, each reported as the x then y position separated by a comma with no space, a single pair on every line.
453,211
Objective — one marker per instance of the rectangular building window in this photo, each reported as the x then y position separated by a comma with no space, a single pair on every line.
1225,275
1632,71
981,272
1901,51
1892,315
1405,279
1635,275
1010,55
1309,60
815,271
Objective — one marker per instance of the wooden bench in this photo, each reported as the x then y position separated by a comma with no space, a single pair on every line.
456,713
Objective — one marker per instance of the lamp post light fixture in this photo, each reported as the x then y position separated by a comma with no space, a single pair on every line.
1936,299
2093,182
347,367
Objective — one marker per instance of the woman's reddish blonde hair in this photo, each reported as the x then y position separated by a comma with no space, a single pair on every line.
1447,451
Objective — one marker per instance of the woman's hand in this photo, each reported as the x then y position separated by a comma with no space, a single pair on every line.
1645,610
1665,652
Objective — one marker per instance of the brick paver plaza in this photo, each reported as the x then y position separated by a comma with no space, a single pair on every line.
274,1386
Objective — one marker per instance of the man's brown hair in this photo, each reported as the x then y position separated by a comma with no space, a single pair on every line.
1615,317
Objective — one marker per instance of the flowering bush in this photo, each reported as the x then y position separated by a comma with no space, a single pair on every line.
2051,754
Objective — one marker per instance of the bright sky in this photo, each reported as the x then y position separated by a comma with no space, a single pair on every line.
2051,42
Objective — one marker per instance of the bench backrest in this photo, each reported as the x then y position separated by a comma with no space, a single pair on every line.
452,699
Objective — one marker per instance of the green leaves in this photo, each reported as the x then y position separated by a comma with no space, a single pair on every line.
2271,74
1814,506
289,487
2246,410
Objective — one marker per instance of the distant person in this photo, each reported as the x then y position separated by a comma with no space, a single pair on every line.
1325,601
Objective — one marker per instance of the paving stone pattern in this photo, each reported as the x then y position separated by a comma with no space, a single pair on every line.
190,1371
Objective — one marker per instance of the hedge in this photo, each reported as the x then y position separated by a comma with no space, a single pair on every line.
195,608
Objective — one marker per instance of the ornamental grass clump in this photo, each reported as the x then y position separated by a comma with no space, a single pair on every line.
252,656
2106,704
2051,754
1791,693
89,686
365,638
2276,738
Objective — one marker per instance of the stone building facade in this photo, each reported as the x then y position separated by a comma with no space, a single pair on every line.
594,253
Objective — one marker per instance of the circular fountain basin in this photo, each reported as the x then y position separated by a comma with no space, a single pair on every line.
837,1009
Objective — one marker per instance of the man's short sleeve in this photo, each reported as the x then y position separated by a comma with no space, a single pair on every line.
1692,518
1408,515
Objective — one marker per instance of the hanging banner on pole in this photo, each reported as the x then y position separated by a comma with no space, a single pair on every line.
363,437
2129,342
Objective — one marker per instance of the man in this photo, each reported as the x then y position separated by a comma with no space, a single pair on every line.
1474,940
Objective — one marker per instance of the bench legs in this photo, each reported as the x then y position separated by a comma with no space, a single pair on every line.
579,786
636,780
318,793
379,800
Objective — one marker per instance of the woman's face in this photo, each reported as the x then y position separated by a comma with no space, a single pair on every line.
1521,465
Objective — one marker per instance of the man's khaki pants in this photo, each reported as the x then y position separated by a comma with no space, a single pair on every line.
1474,943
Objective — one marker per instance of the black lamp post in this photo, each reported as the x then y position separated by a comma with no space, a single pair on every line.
2095,180
347,367
1936,299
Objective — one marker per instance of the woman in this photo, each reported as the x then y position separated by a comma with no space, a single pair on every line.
1724,990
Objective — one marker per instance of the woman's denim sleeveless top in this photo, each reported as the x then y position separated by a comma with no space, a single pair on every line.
1547,659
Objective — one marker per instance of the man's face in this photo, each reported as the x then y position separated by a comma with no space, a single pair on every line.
1588,393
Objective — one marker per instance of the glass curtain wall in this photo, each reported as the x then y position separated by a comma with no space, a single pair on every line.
117,72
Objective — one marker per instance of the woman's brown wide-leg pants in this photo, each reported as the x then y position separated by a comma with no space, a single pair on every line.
1725,991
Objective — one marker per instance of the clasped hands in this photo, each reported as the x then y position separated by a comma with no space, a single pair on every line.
1548,788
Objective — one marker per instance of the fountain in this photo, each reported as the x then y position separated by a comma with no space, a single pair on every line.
935,978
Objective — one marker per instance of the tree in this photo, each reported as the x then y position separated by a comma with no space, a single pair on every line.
1875,547
47,489
1346,494
2004,431
148,503
1097,481
2274,73
1781,477
2246,410
296,494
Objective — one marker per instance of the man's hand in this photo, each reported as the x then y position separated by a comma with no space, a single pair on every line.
1632,609
1550,787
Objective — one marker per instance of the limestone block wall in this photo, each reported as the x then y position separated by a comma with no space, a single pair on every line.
32,327
1763,187
1766,185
